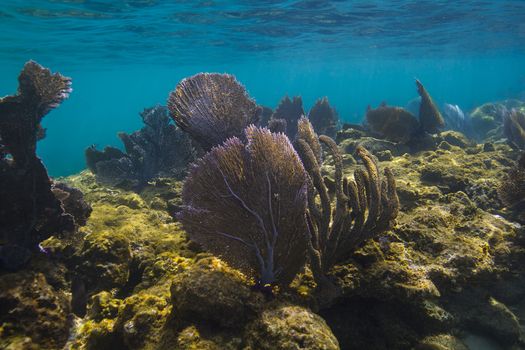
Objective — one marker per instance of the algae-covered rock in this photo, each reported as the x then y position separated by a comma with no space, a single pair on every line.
141,320
290,327
203,294
441,342
104,260
33,315
190,339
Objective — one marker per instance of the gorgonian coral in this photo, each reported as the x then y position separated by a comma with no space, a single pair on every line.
362,208
429,116
324,117
29,210
514,128
246,202
290,110
212,107
158,149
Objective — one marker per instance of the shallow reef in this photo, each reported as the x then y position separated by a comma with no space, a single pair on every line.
451,269
406,247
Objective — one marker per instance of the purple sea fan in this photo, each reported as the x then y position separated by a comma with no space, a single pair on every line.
246,203
212,107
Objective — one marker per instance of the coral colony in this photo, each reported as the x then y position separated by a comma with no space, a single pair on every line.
223,224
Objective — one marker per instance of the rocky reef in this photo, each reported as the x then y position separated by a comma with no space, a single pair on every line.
422,248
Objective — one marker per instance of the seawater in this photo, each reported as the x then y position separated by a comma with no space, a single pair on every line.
124,56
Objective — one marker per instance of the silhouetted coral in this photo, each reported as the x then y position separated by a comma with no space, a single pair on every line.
291,111
246,203
212,107
396,124
324,118
363,207
266,114
514,128
29,210
430,118
158,149
512,188
392,123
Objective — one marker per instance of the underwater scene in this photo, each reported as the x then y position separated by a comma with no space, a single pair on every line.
259,175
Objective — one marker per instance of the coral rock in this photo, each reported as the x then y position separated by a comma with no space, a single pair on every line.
392,123
207,295
290,327
29,210
30,307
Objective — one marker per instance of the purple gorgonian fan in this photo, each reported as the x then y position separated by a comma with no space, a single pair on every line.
212,107
246,201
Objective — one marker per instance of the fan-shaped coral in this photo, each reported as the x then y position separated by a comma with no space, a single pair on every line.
290,110
324,117
514,128
212,107
246,203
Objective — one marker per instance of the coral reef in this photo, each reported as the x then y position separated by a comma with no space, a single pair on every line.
448,275
324,118
246,203
212,107
363,208
29,210
159,149
290,110
448,271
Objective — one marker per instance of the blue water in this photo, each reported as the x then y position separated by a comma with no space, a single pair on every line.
127,55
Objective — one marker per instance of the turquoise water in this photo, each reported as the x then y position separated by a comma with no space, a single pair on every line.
124,56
